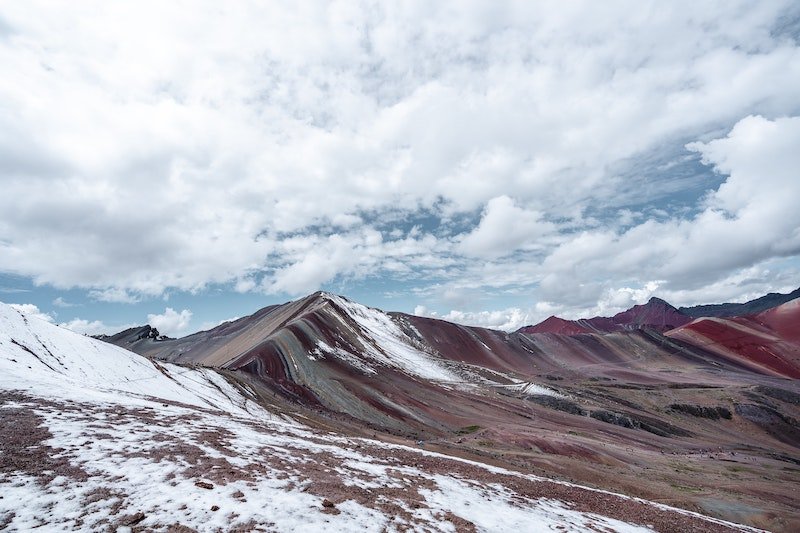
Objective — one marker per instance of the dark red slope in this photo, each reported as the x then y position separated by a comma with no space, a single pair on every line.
768,342
479,347
655,314
558,325
784,320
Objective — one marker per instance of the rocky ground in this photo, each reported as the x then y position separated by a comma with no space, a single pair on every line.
166,466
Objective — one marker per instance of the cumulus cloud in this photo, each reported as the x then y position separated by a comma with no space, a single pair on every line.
271,149
170,322
749,219
506,319
61,302
114,295
503,228
91,327
33,311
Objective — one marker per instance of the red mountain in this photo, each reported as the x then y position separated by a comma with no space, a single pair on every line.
558,325
655,314
768,342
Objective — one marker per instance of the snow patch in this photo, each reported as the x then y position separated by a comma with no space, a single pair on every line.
387,344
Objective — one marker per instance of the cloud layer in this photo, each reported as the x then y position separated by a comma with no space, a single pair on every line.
560,151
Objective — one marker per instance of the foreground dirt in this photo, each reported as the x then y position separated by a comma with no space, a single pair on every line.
90,454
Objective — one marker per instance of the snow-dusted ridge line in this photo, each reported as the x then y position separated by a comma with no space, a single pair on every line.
388,345
392,347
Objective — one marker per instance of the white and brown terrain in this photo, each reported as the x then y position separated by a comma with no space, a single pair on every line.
322,414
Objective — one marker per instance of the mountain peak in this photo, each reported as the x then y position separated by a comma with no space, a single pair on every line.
656,314
654,300
554,324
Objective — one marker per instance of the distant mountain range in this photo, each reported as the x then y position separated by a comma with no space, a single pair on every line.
655,314
658,315
752,307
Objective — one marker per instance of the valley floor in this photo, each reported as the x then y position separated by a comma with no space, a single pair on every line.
154,465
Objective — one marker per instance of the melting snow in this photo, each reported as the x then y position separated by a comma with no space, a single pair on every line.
528,388
495,510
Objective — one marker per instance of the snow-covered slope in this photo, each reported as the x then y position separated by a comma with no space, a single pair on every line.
46,360
93,437
387,345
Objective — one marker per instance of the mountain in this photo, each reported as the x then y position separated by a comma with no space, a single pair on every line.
655,314
615,409
554,324
328,352
767,342
752,307
96,437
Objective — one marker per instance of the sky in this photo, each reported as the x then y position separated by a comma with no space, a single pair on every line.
491,163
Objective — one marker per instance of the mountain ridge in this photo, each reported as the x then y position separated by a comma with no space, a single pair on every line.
655,314
750,307
592,407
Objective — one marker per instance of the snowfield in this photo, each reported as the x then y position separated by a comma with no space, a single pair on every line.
93,437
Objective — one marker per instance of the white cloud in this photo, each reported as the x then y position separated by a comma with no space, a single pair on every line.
314,260
750,219
311,128
244,285
741,286
509,319
61,302
503,228
32,310
171,322
114,295
91,327
618,299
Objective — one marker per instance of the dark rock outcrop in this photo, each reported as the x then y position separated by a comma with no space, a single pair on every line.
702,411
